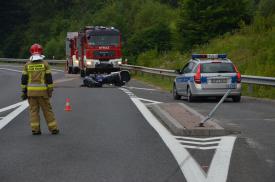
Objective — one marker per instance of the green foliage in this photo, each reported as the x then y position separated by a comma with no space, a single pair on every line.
267,7
169,60
202,20
55,48
157,37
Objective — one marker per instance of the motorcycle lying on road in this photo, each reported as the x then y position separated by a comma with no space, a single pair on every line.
98,80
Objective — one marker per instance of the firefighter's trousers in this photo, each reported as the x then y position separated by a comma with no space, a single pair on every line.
34,108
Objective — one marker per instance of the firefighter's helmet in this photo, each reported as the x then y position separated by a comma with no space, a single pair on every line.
36,51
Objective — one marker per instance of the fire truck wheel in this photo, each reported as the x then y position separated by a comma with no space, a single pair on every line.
74,70
82,73
70,70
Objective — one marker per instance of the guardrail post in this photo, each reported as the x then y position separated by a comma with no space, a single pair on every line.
250,88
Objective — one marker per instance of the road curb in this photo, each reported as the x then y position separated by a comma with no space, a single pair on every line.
182,120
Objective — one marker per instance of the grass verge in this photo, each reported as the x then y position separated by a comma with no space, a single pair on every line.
164,83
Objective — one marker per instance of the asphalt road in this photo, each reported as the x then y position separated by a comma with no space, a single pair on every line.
107,137
253,157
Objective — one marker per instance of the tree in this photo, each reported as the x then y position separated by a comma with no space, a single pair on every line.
267,7
202,20
154,37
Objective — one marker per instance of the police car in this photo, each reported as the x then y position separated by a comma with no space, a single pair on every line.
208,75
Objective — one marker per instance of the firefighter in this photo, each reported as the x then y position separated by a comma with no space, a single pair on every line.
37,87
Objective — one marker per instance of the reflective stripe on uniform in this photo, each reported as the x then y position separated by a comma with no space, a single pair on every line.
30,78
34,124
51,124
36,67
50,85
48,71
24,73
37,87
43,78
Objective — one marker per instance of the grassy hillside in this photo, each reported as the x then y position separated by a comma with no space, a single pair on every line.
252,49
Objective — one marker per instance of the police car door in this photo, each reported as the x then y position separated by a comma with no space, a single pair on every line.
184,79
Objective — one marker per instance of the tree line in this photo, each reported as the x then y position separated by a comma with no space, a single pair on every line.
160,25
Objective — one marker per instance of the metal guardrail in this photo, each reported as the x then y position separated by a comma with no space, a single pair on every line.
249,79
156,71
13,60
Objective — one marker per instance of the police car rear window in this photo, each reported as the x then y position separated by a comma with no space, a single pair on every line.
217,68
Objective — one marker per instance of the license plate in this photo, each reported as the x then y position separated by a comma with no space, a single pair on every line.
231,86
218,80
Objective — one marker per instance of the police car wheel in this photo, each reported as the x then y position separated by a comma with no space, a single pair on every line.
236,98
190,98
175,94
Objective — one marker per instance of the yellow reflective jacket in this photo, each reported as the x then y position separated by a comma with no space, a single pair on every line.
36,79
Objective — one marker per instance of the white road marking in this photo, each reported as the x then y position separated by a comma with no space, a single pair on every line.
199,139
7,69
20,107
57,70
137,88
63,80
148,100
11,107
199,147
219,167
199,143
13,66
131,94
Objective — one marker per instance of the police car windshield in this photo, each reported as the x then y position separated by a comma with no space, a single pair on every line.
217,68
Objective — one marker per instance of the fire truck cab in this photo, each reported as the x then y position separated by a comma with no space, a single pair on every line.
99,50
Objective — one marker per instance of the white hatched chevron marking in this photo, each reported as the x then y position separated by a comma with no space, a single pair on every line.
199,139
199,143
20,107
199,148
192,171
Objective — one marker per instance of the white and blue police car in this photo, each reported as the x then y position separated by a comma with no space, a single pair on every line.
207,75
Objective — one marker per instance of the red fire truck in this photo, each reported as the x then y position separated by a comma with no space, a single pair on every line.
72,62
99,50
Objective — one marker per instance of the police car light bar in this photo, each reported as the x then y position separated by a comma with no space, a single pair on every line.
209,56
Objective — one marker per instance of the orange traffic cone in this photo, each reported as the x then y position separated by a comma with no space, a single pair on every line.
68,106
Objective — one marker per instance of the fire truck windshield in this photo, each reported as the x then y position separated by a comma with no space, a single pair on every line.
104,40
